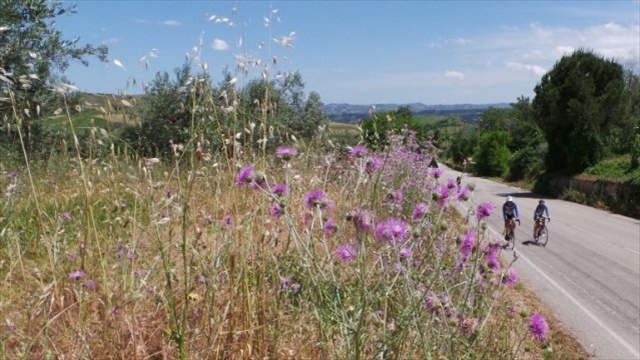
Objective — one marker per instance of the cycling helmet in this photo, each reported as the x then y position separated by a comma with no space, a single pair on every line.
509,198
541,201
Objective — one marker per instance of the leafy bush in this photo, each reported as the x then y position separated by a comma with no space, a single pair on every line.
574,195
527,163
492,154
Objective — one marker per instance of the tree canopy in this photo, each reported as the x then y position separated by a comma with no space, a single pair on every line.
34,53
577,104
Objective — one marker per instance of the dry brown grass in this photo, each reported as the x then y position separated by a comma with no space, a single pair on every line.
239,313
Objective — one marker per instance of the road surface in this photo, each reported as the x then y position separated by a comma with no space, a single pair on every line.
589,272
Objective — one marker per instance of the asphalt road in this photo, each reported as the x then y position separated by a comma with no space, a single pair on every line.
589,272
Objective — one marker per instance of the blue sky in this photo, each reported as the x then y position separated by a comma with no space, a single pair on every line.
357,52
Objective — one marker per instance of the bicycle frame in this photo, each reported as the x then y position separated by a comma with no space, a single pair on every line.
541,222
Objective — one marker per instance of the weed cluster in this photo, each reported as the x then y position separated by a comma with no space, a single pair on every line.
298,254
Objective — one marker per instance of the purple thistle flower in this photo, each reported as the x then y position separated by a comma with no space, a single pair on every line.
467,326
358,151
316,198
294,288
392,229
259,181
396,197
512,310
432,302
405,252
245,175
228,221
510,278
286,153
484,210
90,284
492,261
463,194
538,327
436,172
346,252
279,189
363,219
491,248
374,163
285,282
329,227
76,275
419,211
467,245
276,210
451,184
443,195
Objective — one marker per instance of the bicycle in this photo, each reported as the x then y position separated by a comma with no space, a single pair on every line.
541,235
510,235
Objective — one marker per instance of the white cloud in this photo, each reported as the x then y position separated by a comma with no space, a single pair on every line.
171,23
219,44
541,33
560,51
532,69
110,41
611,40
460,41
454,74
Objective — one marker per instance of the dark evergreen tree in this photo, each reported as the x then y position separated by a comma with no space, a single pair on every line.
577,104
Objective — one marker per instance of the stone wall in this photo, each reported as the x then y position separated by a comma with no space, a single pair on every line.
619,197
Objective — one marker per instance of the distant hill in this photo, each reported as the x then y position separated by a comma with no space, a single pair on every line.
348,113
342,113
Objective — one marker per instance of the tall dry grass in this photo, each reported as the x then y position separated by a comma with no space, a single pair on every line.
305,252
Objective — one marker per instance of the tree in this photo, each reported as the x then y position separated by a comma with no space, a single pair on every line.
577,104
33,58
492,154
376,127
494,119
175,111
463,144
34,54
305,115
314,115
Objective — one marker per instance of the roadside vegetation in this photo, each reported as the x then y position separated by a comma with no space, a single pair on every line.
579,125
203,220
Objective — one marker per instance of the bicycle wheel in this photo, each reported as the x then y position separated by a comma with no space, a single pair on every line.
544,236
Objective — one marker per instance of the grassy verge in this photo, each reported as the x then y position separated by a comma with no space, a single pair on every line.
294,256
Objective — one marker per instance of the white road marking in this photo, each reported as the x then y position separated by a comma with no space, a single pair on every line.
604,327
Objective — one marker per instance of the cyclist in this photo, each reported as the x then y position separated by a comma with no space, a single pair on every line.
540,211
509,212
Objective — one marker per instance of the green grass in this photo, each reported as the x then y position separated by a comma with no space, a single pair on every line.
429,119
614,169
81,121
